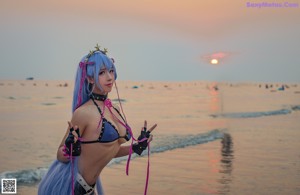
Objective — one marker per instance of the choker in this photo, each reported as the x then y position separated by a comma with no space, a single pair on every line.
99,97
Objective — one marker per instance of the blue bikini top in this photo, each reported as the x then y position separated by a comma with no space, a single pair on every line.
109,132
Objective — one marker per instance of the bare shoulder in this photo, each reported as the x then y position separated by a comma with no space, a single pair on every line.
82,115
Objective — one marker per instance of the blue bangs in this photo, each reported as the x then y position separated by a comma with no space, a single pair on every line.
101,60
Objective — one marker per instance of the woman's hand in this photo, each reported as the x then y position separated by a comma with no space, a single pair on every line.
72,140
144,139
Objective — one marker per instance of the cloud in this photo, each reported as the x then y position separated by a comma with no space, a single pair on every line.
221,56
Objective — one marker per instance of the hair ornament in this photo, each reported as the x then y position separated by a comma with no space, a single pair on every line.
83,66
97,49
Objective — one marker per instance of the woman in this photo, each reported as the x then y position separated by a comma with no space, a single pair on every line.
95,133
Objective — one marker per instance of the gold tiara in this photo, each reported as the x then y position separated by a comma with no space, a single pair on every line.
97,49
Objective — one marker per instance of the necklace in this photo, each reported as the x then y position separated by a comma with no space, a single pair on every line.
98,96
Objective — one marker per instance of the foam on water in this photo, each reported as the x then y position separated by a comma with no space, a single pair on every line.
258,114
25,177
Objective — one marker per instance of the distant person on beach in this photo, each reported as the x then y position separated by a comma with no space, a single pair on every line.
281,88
95,133
267,86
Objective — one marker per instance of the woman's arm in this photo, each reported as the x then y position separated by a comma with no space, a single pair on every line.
140,146
123,151
60,153
76,122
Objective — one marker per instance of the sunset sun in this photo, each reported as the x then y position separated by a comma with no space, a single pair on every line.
214,61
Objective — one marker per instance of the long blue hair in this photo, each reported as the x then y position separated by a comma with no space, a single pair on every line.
89,66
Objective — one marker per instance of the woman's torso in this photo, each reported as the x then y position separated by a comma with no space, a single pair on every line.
95,156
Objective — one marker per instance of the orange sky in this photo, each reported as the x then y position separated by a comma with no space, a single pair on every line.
200,27
207,18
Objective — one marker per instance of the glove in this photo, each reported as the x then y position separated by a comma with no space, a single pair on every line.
76,148
140,146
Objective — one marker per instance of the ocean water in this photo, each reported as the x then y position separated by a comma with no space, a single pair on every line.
234,140
33,176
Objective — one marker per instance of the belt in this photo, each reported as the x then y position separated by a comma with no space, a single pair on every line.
89,190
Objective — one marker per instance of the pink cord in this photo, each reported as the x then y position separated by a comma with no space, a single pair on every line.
72,171
148,170
120,101
108,104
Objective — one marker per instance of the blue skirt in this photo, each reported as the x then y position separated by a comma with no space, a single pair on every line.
58,179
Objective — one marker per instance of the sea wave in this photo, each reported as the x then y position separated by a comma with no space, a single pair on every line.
296,108
171,142
258,114
25,177
164,143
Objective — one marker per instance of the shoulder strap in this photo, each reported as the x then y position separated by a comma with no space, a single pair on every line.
97,106
120,114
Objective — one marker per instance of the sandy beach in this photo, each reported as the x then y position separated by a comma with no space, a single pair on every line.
212,138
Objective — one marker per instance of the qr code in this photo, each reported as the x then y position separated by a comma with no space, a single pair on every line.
8,186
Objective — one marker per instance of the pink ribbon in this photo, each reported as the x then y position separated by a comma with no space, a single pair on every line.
82,65
72,171
108,104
